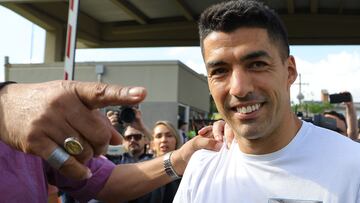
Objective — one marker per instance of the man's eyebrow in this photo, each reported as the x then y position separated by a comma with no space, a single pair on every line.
212,64
255,54
249,56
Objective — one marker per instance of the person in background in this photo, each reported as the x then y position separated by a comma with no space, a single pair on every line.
182,128
165,138
346,125
137,123
341,126
350,115
136,137
135,146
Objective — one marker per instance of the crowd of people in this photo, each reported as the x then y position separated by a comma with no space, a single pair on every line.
270,154
142,144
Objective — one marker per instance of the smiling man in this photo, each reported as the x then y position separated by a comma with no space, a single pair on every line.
275,157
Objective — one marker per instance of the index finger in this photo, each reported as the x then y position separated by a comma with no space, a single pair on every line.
218,130
229,135
98,95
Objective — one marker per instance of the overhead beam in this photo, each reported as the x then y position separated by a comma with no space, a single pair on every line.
314,6
319,29
131,10
35,16
51,17
185,9
113,29
30,1
86,24
341,6
302,30
290,6
162,34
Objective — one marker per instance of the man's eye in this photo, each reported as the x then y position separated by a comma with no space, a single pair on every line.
258,65
218,71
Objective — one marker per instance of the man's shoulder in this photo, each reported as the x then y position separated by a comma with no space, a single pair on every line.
329,137
203,159
203,154
334,145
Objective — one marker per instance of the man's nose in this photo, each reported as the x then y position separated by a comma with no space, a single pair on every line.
241,83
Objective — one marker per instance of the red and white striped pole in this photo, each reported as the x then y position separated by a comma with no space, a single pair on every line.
71,39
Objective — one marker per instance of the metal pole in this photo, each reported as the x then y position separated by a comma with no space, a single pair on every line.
71,39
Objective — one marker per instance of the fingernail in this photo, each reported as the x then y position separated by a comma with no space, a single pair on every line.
88,173
136,91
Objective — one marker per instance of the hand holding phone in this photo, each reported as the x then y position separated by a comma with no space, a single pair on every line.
340,97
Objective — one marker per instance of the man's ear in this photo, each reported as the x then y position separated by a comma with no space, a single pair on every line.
292,71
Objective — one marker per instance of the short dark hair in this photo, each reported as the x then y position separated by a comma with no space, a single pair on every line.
231,15
337,115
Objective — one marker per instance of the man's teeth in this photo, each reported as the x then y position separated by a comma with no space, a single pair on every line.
248,109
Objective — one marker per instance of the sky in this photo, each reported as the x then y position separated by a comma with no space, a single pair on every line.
334,68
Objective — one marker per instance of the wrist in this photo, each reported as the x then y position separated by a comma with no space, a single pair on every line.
169,166
178,163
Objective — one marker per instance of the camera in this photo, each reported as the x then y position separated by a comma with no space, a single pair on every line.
126,114
341,97
322,121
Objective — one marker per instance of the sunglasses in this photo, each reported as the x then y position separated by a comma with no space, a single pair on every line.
136,137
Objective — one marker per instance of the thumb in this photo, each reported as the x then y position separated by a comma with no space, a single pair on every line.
98,95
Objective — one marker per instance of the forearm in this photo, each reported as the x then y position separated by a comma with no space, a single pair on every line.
352,128
129,181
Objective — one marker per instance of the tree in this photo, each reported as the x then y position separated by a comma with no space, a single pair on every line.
312,107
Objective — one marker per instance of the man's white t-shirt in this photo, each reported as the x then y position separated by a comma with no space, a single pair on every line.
318,165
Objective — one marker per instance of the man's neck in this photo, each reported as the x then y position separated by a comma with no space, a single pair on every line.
273,142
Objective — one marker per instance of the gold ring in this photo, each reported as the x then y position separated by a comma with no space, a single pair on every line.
73,146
